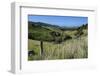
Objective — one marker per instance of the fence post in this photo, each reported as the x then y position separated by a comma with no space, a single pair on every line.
41,48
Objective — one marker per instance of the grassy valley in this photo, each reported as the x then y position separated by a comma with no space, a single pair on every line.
49,42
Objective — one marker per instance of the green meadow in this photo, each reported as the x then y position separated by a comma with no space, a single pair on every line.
56,42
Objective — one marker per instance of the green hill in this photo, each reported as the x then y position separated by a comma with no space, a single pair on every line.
58,42
46,32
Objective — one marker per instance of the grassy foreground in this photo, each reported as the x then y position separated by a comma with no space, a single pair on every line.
70,49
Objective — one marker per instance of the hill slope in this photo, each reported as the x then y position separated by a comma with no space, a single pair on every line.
47,32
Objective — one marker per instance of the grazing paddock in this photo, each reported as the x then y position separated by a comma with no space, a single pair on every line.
70,49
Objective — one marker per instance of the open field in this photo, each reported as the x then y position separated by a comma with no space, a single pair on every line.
57,43
75,48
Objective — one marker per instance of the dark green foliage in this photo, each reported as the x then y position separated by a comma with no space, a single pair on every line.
31,53
80,30
84,26
67,37
56,34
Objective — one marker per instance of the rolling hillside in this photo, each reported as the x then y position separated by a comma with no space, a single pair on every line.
58,42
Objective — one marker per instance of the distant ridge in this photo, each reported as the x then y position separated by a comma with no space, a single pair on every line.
43,24
47,25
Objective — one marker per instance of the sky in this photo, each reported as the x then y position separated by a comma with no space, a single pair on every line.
68,21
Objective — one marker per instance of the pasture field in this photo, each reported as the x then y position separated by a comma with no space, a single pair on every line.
69,49
47,42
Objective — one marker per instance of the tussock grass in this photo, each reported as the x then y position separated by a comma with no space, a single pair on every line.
70,49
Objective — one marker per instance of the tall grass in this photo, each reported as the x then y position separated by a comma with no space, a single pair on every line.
70,49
